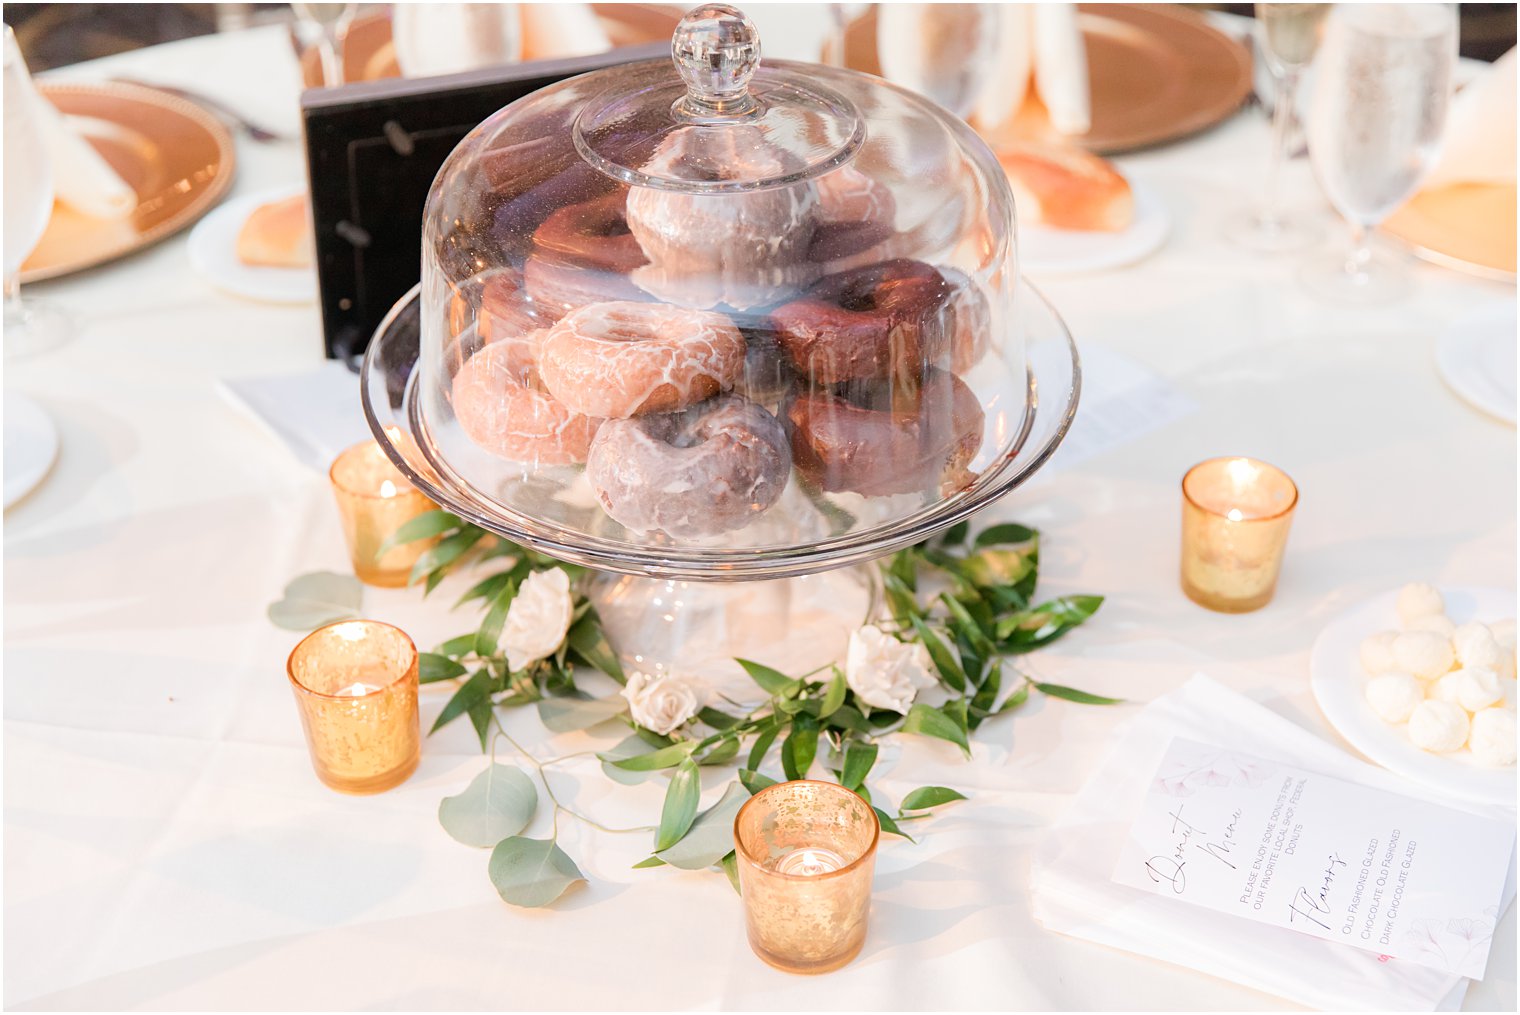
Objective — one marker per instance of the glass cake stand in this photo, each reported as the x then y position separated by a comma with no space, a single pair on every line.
696,608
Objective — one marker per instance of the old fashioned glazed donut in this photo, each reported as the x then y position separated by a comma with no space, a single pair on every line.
742,250
504,410
511,318
583,254
877,439
855,213
709,469
884,320
622,359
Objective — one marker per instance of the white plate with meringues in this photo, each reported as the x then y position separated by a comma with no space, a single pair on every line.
1415,730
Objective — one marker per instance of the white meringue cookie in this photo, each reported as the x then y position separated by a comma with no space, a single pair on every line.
1475,646
1493,737
1377,652
1504,634
1438,726
1440,623
1472,687
1426,654
1417,600
1393,696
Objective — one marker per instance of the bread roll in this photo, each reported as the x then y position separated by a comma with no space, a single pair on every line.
1066,188
276,235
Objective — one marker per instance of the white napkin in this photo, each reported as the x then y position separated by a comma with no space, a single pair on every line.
1060,67
1073,892
553,31
1479,145
81,178
314,413
448,38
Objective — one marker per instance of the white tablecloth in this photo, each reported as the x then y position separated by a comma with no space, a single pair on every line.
166,844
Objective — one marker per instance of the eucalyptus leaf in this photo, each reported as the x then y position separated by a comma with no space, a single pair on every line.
433,667
497,803
565,715
711,835
1072,694
665,757
890,826
858,759
312,600
929,796
680,808
627,748
531,872
932,722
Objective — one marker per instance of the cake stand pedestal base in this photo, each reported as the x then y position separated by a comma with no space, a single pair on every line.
795,625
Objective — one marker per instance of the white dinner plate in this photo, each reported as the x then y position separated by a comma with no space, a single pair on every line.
1056,251
1339,684
31,445
213,252
1476,356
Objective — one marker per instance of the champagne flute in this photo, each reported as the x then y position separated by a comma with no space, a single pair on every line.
1375,123
329,24
1287,37
30,326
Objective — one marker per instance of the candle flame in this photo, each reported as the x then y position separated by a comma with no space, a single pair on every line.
1234,514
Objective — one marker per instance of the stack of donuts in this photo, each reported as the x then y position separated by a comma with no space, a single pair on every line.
690,349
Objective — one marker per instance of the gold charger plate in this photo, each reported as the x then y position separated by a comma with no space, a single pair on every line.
1156,73
369,54
1466,226
175,156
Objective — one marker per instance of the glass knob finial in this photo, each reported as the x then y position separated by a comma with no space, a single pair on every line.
716,50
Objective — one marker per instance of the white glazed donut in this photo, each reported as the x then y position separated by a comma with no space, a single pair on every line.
1426,654
1394,696
1438,726
1377,652
1493,737
744,249
1472,687
1417,600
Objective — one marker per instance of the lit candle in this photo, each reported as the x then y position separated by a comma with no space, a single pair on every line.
374,500
1236,513
355,684
806,854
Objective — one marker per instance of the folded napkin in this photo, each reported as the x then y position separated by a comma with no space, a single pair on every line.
921,45
314,413
449,38
1479,144
1073,892
81,178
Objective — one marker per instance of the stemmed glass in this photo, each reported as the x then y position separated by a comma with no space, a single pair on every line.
30,326
1375,123
329,23
952,53
1288,35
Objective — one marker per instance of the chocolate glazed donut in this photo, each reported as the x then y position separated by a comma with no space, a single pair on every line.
583,254
700,472
884,320
875,439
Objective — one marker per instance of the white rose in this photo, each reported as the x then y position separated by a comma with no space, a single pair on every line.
884,672
538,618
662,702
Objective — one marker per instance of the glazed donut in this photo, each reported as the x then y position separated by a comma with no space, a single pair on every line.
854,214
970,320
622,359
511,318
700,472
583,254
507,413
741,250
872,438
884,320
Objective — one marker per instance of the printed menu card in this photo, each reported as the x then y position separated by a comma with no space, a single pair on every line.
1279,845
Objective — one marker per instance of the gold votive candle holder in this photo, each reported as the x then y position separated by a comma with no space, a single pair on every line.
1235,518
806,854
355,684
374,500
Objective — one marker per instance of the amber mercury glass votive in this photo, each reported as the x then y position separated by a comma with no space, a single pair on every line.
374,500
356,687
806,852
1235,518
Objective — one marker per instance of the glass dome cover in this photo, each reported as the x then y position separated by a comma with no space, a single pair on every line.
719,310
